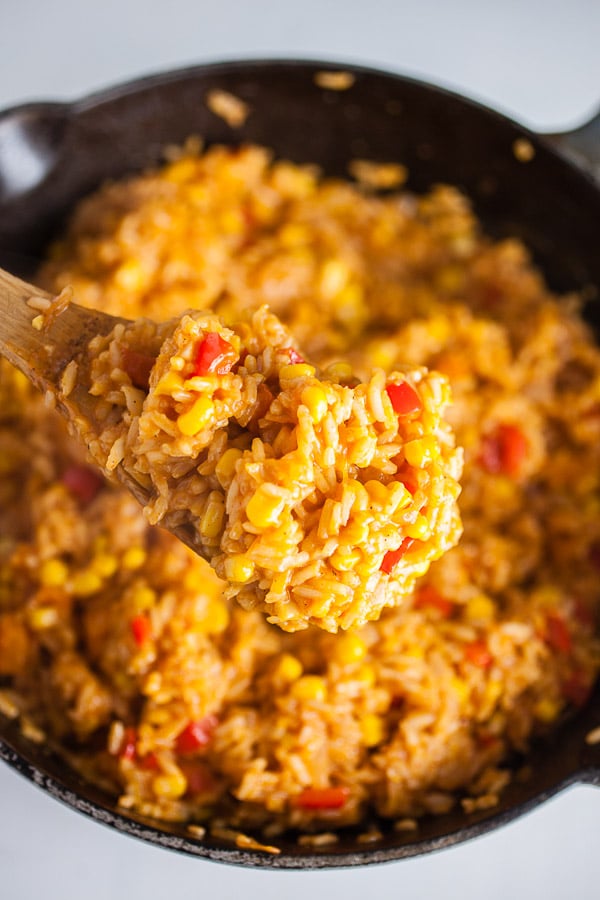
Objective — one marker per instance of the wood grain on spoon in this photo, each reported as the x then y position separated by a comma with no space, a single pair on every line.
43,352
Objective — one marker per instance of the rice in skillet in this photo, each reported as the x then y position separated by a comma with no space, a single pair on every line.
116,638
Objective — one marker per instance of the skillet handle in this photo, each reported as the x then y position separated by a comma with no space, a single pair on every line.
31,141
582,145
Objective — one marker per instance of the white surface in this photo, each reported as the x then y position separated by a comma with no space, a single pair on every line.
536,59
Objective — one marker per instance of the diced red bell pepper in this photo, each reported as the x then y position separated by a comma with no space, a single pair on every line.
150,762
294,356
196,735
477,653
137,365
127,749
214,356
557,634
504,451
323,798
83,482
393,557
410,482
429,598
404,398
141,629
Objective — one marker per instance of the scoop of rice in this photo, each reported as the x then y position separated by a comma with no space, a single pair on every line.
319,499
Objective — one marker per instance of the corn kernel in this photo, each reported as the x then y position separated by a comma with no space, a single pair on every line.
85,583
310,687
333,277
372,729
217,618
349,648
239,568
421,452
196,418
356,532
104,565
339,372
182,170
479,609
169,384
360,497
345,558
296,370
130,275
419,529
231,221
547,710
264,508
288,668
461,689
170,786
42,617
213,517
143,598
366,675
225,468
378,493
315,399
53,573
293,235
133,558
279,584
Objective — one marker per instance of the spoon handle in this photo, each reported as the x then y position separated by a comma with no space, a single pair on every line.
42,352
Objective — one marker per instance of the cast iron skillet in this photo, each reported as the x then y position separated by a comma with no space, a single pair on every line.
51,154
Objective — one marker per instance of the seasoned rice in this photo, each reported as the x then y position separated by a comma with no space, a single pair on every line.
117,640
319,501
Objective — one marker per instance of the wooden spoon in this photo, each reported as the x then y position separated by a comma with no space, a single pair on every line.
43,352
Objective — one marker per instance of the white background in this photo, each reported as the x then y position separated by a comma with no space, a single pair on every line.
538,60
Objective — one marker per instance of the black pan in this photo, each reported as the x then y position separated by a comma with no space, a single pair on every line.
51,154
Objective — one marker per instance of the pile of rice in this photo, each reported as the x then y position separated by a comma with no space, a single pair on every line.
119,642
319,502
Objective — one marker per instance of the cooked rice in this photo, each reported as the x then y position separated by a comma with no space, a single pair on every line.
223,715
294,484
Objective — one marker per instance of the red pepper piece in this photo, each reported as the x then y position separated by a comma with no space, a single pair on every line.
393,557
215,355
404,398
141,629
137,365
429,598
577,688
150,762
323,798
83,482
477,653
557,634
128,750
504,451
294,356
410,482
196,735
